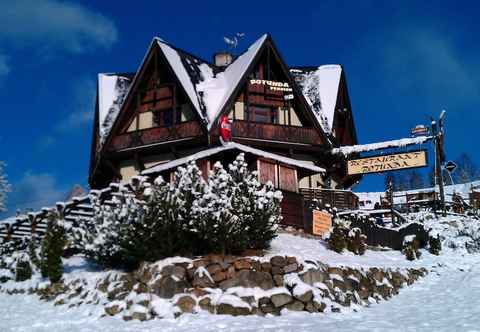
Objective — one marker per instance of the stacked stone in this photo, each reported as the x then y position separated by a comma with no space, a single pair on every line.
280,282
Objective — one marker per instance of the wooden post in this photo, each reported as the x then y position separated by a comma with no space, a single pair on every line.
438,167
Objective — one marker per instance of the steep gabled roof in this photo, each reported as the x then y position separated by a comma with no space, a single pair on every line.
208,87
190,72
320,86
112,89
218,89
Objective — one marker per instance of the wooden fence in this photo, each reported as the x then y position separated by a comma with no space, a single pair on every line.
35,223
390,237
340,199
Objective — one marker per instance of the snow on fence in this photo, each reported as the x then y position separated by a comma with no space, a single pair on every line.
35,223
388,237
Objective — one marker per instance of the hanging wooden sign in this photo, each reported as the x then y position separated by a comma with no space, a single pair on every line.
321,222
385,163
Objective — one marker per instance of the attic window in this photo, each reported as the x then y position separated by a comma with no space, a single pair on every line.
164,118
263,114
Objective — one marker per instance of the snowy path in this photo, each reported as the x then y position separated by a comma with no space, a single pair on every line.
446,300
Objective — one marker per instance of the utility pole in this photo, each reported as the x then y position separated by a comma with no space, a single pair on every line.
438,136
390,199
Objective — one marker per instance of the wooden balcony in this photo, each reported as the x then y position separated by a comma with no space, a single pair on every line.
156,135
272,132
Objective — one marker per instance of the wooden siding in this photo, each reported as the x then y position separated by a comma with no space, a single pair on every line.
287,178
292,210
267,171
272,132
204,166
156,135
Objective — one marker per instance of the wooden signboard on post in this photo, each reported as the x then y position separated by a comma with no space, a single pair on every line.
321,222
385,163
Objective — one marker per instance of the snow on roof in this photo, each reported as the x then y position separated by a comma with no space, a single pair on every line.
208,91
217,89
346,150
320,88
112,89
175,61
233,146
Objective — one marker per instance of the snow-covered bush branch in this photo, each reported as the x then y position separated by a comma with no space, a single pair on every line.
227,213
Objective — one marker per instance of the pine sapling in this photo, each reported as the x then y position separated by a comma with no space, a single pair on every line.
52,249
338,238
23,270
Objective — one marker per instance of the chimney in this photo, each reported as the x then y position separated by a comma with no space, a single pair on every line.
222,59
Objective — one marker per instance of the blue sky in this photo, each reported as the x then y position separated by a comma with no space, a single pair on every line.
405,61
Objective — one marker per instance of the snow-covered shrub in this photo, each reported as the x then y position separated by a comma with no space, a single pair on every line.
356,241
102,237
162,230
9,247
15,261
464,234
53,245
257,206
216,223
338,237
23,270
228,213
343,236
411,247
33,254
435,244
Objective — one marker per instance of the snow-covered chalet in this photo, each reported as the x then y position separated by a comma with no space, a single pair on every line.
178,107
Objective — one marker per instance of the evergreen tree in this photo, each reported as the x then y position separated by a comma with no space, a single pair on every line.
257,205
23,270
5,188
32,252
228,213
187,188
53,245
228,233
466,170
338,238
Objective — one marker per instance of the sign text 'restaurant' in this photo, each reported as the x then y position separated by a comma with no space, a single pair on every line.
387,163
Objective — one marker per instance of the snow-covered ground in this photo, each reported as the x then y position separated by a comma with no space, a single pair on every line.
445,300
309,249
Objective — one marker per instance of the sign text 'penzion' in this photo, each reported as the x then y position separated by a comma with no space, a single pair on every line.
390,162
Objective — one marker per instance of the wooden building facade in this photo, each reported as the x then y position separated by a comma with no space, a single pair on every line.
178,106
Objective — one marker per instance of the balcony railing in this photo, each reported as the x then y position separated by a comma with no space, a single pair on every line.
156,135
272,132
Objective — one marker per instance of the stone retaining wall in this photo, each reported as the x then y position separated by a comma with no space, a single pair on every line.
231,285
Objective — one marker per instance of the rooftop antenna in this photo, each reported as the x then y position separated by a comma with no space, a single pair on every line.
232,42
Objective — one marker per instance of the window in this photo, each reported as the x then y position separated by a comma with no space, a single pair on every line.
164,118
263,114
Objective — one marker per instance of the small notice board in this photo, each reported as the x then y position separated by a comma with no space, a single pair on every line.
321,222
